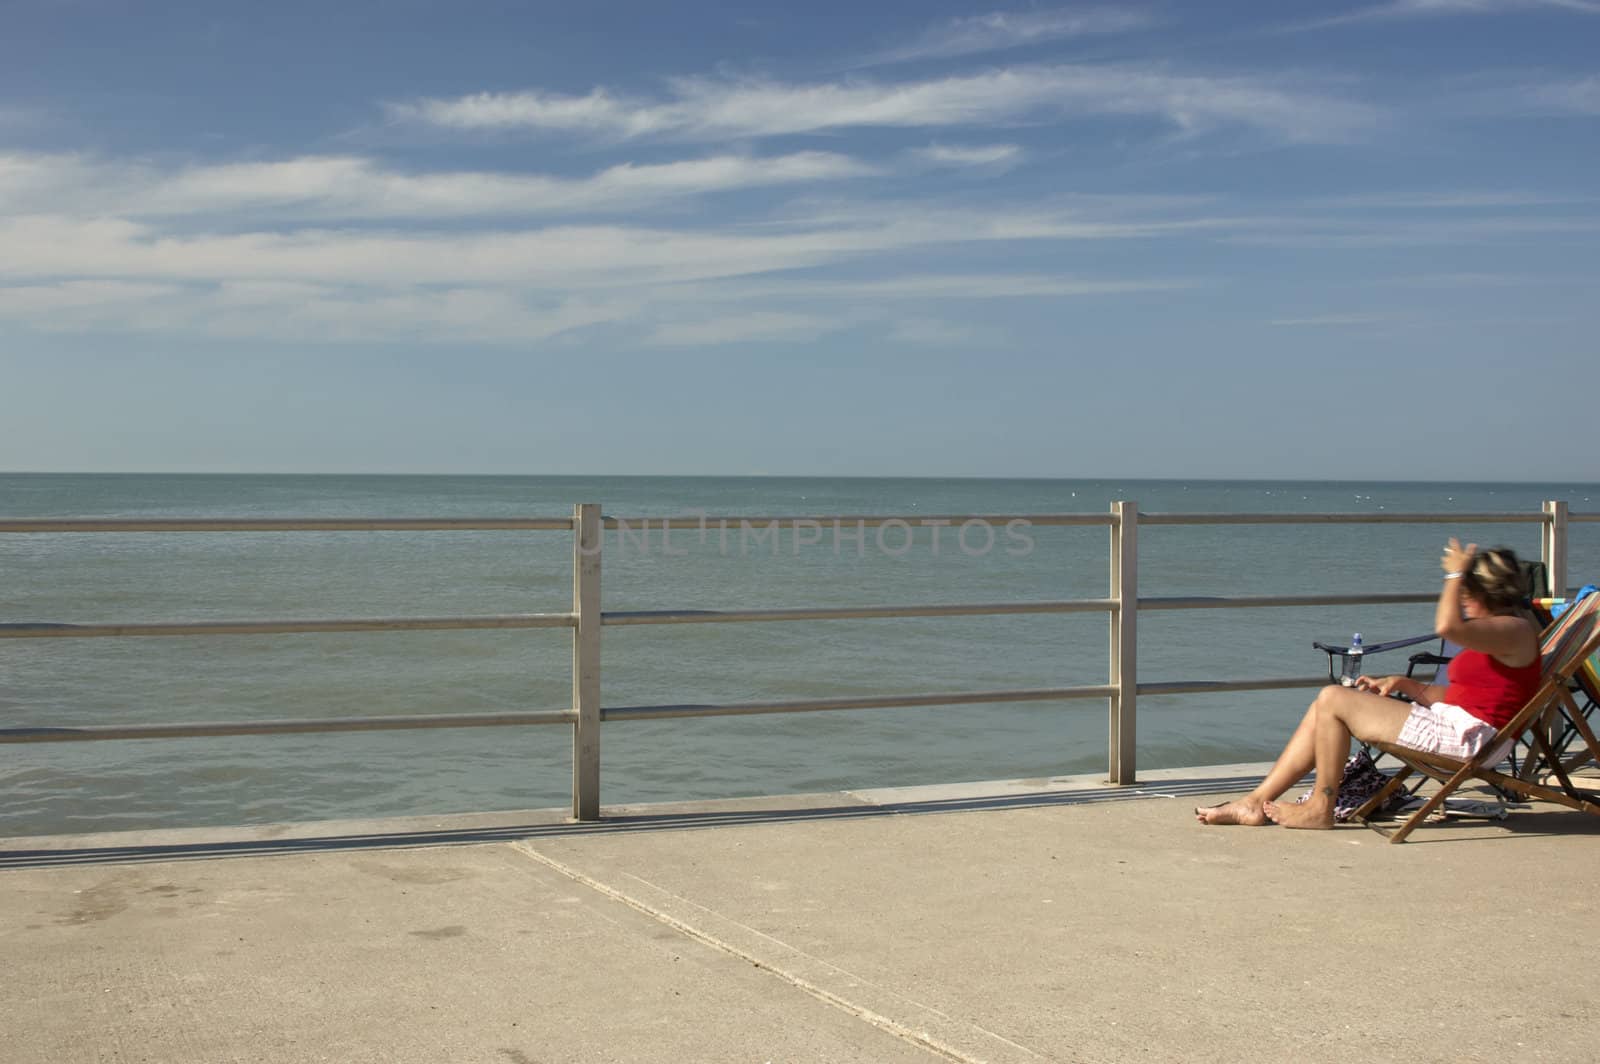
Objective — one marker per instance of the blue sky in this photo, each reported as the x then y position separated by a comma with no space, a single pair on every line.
1160,239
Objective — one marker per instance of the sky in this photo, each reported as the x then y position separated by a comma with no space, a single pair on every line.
1226,239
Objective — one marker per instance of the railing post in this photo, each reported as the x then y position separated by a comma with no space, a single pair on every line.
588,534
1124,641
1553,549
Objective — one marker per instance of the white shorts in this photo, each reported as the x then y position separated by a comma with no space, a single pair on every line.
1445,729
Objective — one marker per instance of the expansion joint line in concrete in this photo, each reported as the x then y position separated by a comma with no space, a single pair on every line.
876,1019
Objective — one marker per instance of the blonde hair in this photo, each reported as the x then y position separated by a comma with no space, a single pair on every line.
1496,579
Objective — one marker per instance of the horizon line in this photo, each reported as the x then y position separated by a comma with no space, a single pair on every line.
1145,478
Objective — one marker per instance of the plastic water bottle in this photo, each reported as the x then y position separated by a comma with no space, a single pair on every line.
1352,662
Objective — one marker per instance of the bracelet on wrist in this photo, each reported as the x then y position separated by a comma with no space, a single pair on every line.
1453,576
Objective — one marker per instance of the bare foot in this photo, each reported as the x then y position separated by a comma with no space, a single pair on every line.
1310,814
1246,811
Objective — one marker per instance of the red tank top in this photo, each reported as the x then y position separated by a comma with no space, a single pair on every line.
1488,689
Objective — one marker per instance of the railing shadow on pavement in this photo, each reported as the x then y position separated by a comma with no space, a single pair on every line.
638,819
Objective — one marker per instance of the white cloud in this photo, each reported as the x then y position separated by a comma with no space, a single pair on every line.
461,314
1580,97
1012,29
702,108
979,286
1519,94
294,311
51,300
931,332
599,110
357,188
1357,233
1447,200
1097,218
1412,9
1477,280
960,155
84,272
245,277
557,257
760,326
1335,321
332,311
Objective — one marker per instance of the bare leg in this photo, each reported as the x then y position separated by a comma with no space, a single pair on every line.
1339,713
1295,761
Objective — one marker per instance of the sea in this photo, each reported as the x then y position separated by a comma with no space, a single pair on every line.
141,577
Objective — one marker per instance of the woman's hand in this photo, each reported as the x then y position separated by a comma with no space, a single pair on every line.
1380,685
1457,559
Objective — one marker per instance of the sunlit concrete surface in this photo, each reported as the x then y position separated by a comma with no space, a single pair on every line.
1041,920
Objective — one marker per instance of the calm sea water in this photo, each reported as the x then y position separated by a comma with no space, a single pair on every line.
136,577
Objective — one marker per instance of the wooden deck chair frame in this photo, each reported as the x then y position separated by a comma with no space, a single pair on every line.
1565,645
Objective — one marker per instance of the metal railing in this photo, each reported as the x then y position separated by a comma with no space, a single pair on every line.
587,620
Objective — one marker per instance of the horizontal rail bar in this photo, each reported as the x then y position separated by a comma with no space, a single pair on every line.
1195,687
681,523
814,705
1221,602
100,732
634,617
1502,518
284,524
50,630
709,523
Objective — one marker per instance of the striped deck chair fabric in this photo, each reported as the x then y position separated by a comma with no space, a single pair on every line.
1586,682
1565,646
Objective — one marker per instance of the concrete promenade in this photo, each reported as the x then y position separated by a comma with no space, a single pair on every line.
1045,920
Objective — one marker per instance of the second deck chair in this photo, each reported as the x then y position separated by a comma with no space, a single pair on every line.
1564,732
1564,646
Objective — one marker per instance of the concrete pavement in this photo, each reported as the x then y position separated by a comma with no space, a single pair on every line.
1045,920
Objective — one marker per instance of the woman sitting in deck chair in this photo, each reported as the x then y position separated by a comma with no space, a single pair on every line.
1480,608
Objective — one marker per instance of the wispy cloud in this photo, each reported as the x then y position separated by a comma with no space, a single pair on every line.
1460,280
763,326
295,311
703,108
1510,94
1300,231
969,155
1331,321
1397,10
1000,30
1078,218
567,257
51,300
982,286
1492,280
1579,97
348,187
86,270
1448,200
874,295
930,332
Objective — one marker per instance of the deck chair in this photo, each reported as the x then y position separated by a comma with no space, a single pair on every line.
1565,645
1564,732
